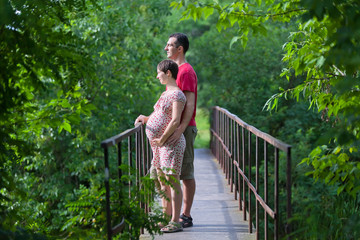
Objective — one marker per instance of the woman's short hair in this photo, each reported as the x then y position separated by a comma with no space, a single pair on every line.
181,40
166,65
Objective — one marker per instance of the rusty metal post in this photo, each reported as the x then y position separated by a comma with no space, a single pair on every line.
276,195
243,169
257,187
107,187
249,177
238,161
233,156
288,188
265,188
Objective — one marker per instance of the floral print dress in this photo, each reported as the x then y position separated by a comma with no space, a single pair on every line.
169,157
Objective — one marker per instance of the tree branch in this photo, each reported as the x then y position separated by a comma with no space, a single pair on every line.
268,15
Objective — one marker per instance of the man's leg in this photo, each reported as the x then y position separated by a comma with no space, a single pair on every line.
189,187
187,176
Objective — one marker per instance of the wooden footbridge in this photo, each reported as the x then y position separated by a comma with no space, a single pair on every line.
239,195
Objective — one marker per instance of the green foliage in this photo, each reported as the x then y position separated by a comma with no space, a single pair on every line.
331,84
87,212
74,73
245,16
135,216
335,168
322,213
29,35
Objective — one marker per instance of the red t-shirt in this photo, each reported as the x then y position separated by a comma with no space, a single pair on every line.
187,81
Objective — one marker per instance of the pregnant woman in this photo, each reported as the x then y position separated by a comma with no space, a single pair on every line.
167,158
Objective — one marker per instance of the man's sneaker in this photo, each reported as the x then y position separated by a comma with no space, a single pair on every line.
186,221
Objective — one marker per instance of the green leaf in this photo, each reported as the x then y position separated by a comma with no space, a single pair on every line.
208,11
244,40
316,152
340,189
66,126
233,19
320,62
234,40
218,26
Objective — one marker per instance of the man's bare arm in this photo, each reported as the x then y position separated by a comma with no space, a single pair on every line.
188,112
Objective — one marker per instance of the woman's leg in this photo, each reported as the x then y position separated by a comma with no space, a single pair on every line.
176,196
166,199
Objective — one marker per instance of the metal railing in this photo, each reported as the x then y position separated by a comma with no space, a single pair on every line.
233,146
139,154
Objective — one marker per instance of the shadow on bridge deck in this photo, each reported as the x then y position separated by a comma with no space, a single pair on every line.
215,212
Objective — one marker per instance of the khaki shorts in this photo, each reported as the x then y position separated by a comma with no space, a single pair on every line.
187,170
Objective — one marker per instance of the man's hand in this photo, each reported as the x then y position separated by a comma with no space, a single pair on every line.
158,142
141,119
174,137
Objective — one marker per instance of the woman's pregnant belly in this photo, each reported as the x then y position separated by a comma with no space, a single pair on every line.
155,126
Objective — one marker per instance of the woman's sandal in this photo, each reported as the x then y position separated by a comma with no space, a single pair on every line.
172,227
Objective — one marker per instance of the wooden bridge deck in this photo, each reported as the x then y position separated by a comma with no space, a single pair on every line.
215,212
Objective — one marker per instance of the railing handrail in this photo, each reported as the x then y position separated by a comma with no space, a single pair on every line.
227,132
270,139
121,136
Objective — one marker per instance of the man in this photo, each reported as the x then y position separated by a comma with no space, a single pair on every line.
176,48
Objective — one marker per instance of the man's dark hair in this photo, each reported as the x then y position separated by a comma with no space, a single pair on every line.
166,65
181,40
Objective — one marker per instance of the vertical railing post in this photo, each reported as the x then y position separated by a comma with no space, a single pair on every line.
265,188
220,134
224,143
148,163
257,186
249,177
119,157
107,188
138,169
238,161
288,188
212,136
144,166
243,167
227,144
137,158
217,129
129,163
219,149
233,156
276,195
223,137
143,144
119,160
